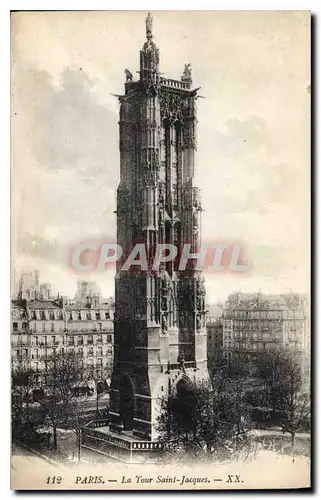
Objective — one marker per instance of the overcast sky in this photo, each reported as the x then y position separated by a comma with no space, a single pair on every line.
253,135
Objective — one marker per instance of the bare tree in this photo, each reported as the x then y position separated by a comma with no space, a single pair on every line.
22,382
101,388
293,403
281,373
208,419
64,371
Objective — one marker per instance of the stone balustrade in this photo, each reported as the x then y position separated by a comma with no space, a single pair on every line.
169,82
122,448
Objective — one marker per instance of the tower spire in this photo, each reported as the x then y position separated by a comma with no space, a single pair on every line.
149,26
149,58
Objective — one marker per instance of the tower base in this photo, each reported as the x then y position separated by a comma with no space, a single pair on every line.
120,445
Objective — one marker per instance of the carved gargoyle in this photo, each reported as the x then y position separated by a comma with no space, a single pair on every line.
187,73
129,75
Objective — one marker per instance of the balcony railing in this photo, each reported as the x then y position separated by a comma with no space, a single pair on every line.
93,424
125,449
169,82
187,364
143,446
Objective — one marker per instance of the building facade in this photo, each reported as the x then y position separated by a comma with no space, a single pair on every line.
160,330
214,338
86,289
255,322
28,286
41,328
214,326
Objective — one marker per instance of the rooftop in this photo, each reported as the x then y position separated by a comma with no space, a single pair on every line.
43,304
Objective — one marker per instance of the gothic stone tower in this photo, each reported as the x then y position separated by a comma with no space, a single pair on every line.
160,331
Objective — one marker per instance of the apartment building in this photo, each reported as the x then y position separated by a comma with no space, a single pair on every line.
254,322
41,328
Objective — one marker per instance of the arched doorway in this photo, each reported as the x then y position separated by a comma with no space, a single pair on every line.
126,403
184,403
184,387
37,394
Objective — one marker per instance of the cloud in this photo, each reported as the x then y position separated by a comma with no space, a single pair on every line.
253,144
83,134
73,150
241,135
67,127
38,247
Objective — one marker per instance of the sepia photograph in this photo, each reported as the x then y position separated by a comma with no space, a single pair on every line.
160,328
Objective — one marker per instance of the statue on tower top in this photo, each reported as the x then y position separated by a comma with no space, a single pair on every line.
149,26
149,58
187,73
